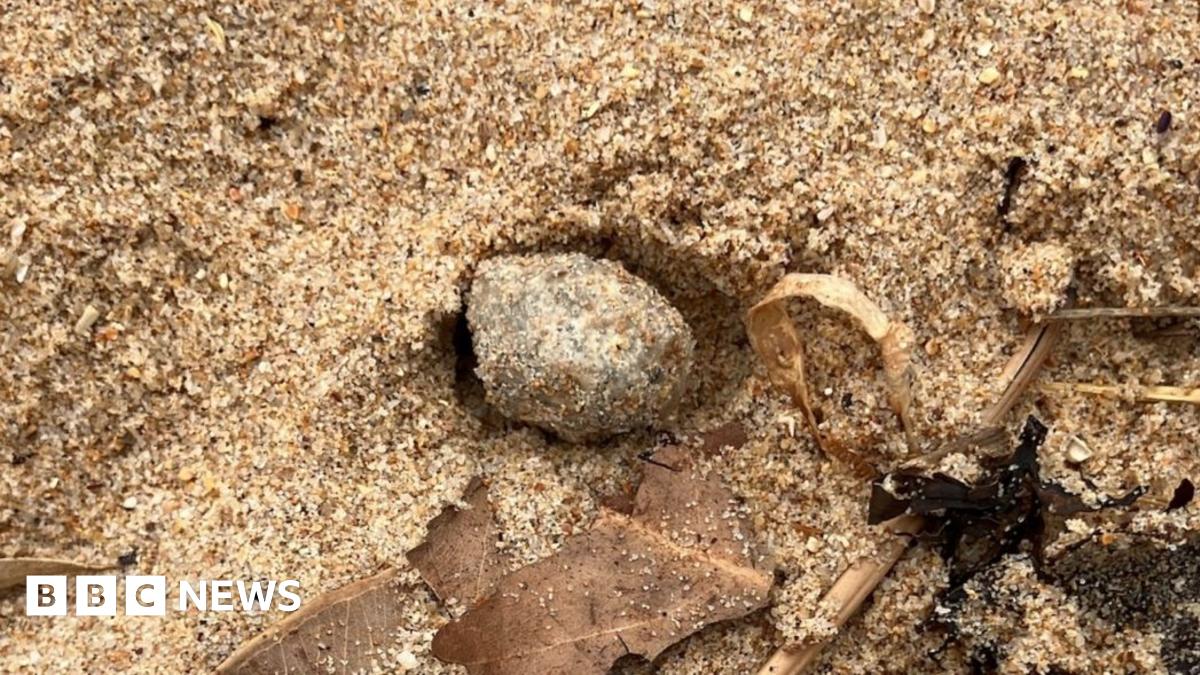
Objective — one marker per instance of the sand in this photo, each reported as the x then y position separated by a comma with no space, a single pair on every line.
236,238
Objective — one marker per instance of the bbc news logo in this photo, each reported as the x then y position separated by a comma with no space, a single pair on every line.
96,595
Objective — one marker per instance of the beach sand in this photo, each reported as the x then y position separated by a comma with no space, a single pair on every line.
235,240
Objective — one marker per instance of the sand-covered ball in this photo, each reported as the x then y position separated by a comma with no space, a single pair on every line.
575,345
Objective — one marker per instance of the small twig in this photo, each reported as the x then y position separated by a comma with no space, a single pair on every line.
648,458
1141,393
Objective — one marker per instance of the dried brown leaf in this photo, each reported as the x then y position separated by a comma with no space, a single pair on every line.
631,584
14,570
777,341
349,630
459,558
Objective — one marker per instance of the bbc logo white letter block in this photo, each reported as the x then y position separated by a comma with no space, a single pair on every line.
95,595
45,595
145,596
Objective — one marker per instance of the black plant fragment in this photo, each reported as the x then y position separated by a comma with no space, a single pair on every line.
1144,583
975,525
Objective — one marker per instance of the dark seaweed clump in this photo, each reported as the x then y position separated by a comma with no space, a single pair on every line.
1139,582
976,525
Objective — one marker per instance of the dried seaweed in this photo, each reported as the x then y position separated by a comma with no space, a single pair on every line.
975,525
1184,493
781,347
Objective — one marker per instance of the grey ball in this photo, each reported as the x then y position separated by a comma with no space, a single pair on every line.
575,345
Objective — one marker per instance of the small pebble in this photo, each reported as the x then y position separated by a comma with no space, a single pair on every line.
1164,122
989,76
86,320
130,503
578,346
407,661
1077,451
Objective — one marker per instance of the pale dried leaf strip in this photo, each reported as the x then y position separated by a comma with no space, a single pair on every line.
781,346
1086,313
1137,392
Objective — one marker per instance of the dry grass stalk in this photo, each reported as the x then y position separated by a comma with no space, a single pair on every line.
14,570
779,344
1022,368
981,440
1083,313
847,594
858,581
1140,393
1186,328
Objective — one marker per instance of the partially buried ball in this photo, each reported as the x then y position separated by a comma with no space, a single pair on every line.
575,345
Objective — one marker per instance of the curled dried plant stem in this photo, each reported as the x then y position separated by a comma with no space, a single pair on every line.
858,581
780,345
1141,393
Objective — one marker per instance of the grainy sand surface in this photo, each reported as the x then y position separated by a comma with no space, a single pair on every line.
234,239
